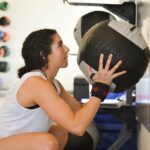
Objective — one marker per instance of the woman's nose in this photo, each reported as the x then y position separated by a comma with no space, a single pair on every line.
66,49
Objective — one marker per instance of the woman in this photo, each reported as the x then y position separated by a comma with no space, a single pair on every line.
38,99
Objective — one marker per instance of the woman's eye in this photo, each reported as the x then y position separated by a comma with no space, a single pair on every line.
60,45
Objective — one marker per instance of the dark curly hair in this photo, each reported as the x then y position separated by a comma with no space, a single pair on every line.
35,50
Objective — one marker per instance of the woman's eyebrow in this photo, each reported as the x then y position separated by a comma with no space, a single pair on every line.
59,42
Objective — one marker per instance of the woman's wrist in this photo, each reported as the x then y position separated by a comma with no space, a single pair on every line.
100,90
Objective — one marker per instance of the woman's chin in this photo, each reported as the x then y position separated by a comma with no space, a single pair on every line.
64,65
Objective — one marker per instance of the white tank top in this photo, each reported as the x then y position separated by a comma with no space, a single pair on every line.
15,119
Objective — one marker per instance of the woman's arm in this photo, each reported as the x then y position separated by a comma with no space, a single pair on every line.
45,95
72,101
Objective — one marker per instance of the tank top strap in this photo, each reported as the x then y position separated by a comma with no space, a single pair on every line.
38,73
29,74
57,86
33,73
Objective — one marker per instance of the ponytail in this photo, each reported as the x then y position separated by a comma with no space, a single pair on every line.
23,70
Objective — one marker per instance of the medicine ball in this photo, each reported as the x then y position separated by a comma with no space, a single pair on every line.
87,21
88,141
79,142
121,39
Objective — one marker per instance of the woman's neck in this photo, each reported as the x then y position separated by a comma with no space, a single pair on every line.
50,73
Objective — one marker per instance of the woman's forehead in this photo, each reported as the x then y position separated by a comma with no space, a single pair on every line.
56,38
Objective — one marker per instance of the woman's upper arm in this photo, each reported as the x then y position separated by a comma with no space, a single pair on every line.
45,95
73,102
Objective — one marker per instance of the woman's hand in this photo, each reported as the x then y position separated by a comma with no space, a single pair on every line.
104,74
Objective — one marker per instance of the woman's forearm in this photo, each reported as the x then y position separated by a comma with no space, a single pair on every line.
85,115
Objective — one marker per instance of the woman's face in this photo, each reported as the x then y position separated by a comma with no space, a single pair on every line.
59,54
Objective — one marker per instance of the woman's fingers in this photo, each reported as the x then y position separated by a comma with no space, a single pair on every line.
105,74
101,62
115,75
108,62
89,70
116,66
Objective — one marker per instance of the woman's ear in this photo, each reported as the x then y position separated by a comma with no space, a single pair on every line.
42,55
